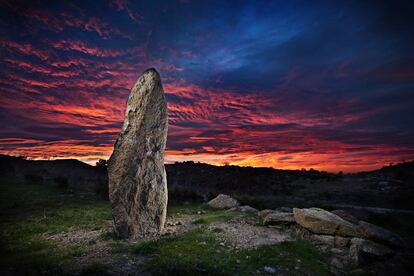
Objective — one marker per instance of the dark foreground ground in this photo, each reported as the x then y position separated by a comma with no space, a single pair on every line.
47,231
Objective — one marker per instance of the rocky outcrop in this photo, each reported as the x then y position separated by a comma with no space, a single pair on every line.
137,178
275,218
320,221
223,202
361,251
346,216
379,234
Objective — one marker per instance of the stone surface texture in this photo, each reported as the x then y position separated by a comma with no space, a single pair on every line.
247,209
223,202
346,216
320,221
362,250
137,178
275,218
379,234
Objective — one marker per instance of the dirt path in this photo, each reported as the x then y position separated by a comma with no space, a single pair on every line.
244,235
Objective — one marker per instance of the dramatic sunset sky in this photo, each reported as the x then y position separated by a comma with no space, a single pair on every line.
285,84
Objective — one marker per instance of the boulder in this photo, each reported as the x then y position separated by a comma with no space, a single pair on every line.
275,218
247,209
346,216
136,173
223,202
362,251
379,234
320,221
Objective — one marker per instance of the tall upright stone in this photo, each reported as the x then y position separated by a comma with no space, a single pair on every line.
136,172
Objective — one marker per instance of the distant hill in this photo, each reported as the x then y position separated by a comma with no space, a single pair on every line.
68,174
390,187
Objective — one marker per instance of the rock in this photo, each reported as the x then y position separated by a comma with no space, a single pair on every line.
337,251
379,234
263,213
284,209
337,263
275,218
246,209
223,202
323,239
362,251
269,269
137,178
346,216
320,221
341,241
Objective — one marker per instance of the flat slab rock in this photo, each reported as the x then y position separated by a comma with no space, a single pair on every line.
136,173
223,202
276,218
320,221
362,250
379,234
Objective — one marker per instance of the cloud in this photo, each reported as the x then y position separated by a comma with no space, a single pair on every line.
322,85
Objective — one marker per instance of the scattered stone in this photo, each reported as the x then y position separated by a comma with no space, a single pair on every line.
136,173
246,235
247,209
362,251
346,216
223,202
275,218
269,269
379,234
320,221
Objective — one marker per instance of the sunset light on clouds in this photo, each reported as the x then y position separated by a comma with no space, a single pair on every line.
327,85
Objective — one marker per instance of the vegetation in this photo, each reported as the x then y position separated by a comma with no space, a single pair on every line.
32,213
199,252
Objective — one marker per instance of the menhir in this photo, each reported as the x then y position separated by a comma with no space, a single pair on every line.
137,178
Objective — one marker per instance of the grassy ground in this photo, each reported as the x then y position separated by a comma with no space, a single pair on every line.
199,252
30,213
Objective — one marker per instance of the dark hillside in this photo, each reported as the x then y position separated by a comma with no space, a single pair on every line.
69,174
390,187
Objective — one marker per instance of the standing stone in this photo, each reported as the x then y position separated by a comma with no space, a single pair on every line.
137,178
